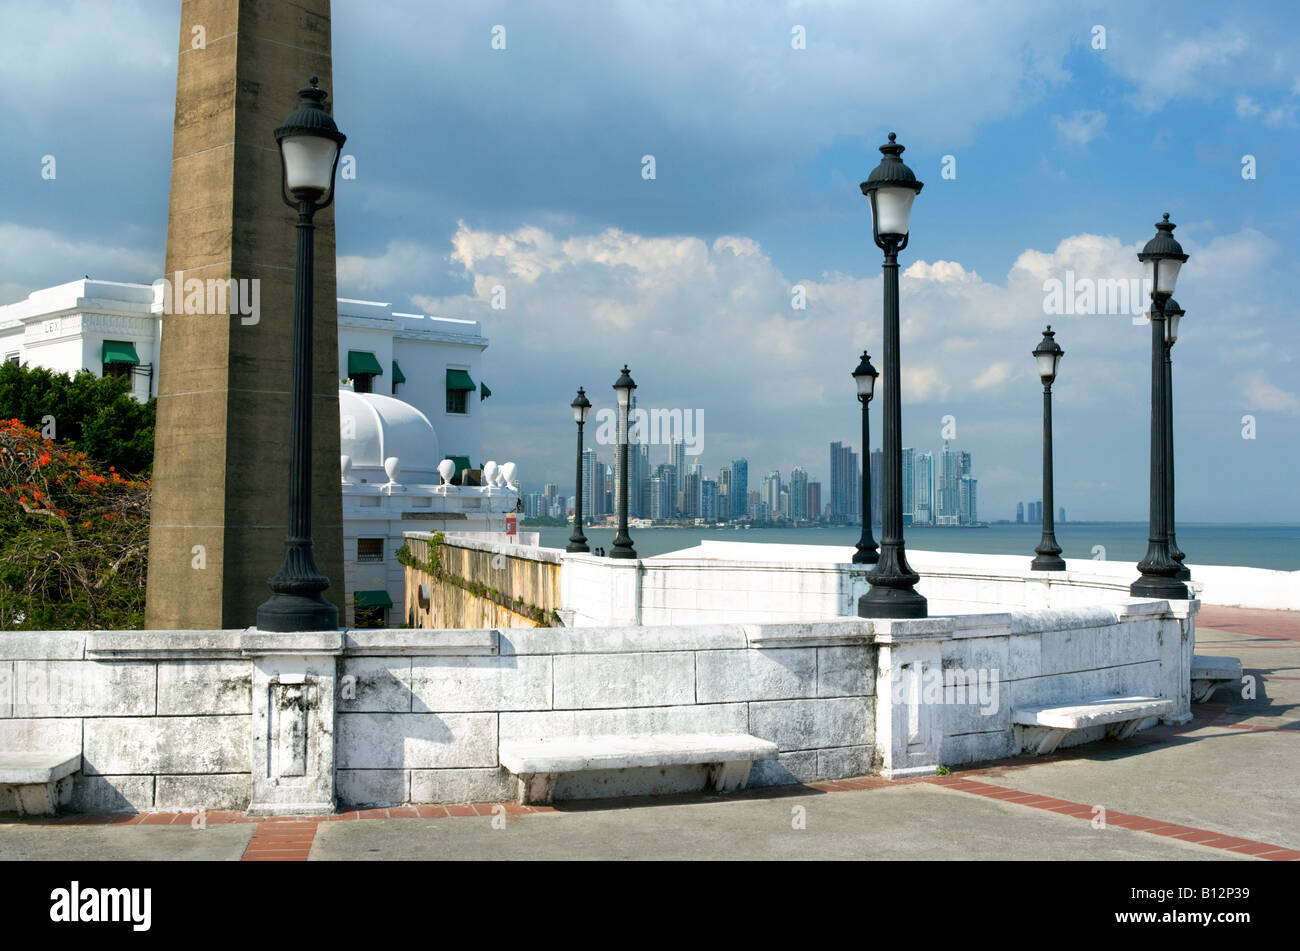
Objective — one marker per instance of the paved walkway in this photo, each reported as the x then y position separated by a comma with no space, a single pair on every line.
1221,787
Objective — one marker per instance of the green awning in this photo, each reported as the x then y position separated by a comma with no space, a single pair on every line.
119,351
398,375
362,362
483,392
372,599
459,380
462,463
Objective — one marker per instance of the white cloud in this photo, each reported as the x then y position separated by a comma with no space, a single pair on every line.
1258,393
1081,127
1247,107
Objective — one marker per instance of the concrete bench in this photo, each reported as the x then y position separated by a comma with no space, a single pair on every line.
1049,725
36,784
1209,673
538,762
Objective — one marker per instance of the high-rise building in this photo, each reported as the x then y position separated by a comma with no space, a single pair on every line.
963,464
846,482
923,489
691,489
771,492
1061,519
909,478
677,459
724,494
799,494
815,501
593,485
739,488
709,500
1020,513
949,505
877,478
969,512
668,476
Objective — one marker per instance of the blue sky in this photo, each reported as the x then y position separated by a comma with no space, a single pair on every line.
522,167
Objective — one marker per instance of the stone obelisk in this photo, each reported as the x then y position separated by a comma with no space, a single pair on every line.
221,451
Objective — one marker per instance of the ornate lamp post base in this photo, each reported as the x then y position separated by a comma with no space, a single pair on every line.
885,602
1158,586
1047,560
296,612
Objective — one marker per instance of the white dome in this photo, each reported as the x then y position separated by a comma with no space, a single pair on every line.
373,428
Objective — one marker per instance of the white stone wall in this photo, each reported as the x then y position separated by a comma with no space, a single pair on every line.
424,726
158,733
292,723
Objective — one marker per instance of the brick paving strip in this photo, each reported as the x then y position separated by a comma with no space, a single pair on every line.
1123,820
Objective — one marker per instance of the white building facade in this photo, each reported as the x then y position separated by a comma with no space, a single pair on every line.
410,391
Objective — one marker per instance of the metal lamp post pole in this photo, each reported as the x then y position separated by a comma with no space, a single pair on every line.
578,540
866,553
1158,570
298,604
1048,553
1175,552
623,541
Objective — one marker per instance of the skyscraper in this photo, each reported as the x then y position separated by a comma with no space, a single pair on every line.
709,500
877,478
799,494
739,488
815,501
593,485
949,505
724,508
1020,513
909,478
846,482
969,512
923,489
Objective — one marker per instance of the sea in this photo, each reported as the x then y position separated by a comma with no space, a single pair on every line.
1255,546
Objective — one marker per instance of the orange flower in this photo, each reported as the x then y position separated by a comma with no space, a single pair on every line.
44,460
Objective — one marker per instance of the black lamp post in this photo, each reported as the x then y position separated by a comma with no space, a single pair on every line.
581,407
309,154
624,387
865,377
1173,314
1048,353
891,189
1163,257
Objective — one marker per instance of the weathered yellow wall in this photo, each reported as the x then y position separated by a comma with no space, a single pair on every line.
519,583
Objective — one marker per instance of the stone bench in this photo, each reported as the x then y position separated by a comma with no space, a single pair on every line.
36,784
1049,725
538,762
1209,673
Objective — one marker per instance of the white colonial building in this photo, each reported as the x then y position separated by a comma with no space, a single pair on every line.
410,389
106,327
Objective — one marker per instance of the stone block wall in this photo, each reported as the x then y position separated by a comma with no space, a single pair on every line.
486,584
154,732
424,726
300,723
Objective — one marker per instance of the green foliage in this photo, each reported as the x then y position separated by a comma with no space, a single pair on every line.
97,416
942,771
74,538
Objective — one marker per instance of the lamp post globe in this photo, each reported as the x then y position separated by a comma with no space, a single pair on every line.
865,378
1173,316
309,144
624,387
581,407
891,188
1048,355
1162,258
